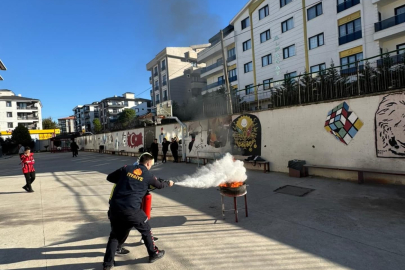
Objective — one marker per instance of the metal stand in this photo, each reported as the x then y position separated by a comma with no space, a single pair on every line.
235,206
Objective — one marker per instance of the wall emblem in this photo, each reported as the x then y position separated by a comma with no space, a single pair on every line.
247,135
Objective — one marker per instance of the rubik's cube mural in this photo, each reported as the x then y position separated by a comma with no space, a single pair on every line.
342,123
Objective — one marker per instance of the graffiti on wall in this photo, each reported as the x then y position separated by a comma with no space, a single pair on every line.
247,135
390,126
342,123
134,140
218,131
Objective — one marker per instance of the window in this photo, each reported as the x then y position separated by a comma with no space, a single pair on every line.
316,41
314,11
264,12
249,89
10,125
267,84
247,45
400,10
156,71
350,61
232,73
265,36
8,103
231,52
345,4
9,114
248,67
350,31
284,2
287,25
165,95
245,23
193,63
290,75
266,60
164,80
289,51
163,64
401,48
318,68
157,99
156,85
220,80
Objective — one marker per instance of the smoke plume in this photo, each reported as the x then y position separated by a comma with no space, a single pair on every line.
182,22
221,171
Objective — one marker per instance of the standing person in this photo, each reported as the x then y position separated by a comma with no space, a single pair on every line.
174,147
132,183
75,148
21,149
165,148
154,148
27,162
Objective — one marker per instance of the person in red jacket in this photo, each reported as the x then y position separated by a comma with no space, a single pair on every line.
27,162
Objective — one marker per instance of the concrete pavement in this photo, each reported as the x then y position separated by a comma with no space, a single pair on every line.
63,224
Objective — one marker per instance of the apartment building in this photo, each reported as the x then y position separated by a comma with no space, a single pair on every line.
278,39
2,67
168,80
17,110
84,117
212,57
67,124
110,108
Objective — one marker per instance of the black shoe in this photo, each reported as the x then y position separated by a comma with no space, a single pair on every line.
158,255
107,267
26,188
31,190
122,251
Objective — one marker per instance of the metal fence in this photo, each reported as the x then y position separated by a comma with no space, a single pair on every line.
368,76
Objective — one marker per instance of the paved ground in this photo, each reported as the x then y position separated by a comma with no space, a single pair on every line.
63,225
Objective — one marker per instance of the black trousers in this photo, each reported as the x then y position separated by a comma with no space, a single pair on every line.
75,153
175,156
155,156
121,225
29,178
164,156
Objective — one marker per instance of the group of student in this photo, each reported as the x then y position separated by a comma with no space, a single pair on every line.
174,148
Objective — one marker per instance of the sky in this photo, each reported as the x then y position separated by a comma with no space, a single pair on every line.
75,52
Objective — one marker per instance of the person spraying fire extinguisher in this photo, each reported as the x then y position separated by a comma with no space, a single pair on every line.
131,185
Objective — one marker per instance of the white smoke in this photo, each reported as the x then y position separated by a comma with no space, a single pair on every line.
221,171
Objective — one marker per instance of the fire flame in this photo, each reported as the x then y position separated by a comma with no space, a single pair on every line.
232,185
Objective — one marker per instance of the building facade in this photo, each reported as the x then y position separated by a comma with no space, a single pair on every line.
84,117
279,39
110,108
17,110
67,124
168,80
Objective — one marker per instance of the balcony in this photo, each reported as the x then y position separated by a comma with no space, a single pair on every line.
212,68
390,22
31,108
157,87
163,68
155,74
213,85
234,78
347,4
164,98
231,58
116,105
392,60
164,83
114,112
28,118
150,80
350,37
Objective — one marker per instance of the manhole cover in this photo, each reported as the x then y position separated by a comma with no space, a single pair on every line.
293,190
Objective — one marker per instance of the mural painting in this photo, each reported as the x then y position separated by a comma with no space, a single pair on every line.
195,131
342,123
134,140
218,131
247,135
390,126
149,136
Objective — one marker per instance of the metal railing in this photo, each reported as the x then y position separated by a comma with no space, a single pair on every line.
219,83
27,118
390,22
347,4
217,64
27,108
231,58
350,37
369,76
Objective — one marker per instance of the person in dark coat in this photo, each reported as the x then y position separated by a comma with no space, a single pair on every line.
165,148
75,148
174,147
154,148
125,213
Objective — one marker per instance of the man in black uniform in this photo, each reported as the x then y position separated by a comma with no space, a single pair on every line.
174,147
132,182
165,148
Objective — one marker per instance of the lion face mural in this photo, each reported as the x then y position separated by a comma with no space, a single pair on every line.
390,126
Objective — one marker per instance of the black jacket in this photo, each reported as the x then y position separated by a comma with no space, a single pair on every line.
132,183
165,146
154,148
174,146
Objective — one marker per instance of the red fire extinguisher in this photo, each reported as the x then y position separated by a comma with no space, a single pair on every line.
147,204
